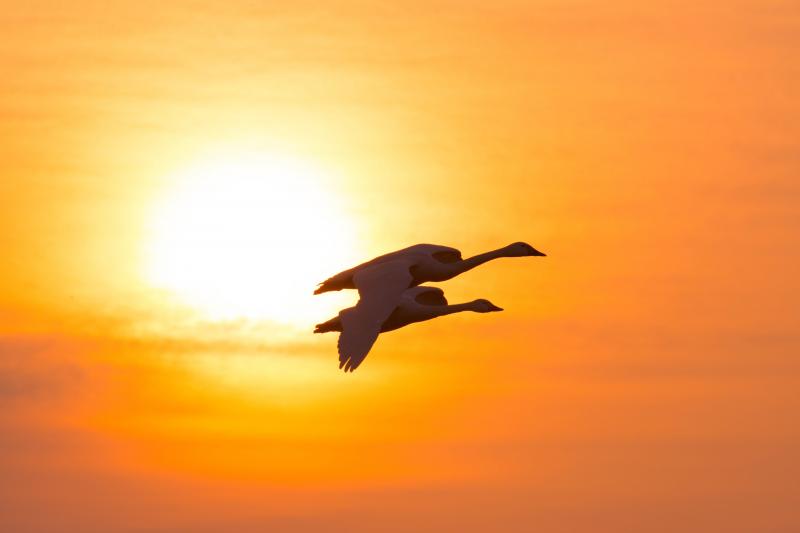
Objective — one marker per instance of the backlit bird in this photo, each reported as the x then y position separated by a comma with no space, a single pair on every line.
415,305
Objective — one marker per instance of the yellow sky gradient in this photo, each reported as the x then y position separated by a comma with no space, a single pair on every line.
643,376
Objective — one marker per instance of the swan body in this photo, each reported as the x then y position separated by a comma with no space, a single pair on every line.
416,304
424,262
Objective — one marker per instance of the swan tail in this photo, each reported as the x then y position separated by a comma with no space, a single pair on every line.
322,288
334,324
343,280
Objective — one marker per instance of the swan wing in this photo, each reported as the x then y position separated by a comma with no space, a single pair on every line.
355,340
380,288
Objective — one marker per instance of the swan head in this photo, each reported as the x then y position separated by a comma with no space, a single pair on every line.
522,249
484,306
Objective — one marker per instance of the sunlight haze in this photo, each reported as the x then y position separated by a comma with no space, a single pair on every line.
179,176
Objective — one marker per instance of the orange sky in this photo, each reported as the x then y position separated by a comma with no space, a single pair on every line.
643,376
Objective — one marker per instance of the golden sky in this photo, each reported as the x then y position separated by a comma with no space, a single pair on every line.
178,176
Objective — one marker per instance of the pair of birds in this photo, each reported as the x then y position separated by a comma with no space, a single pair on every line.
391,295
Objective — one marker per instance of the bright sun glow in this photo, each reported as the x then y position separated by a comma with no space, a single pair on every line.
250,236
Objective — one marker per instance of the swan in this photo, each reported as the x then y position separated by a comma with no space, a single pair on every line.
416,305
415,265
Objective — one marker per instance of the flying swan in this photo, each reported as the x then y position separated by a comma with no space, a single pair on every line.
382,281
416,305
412,266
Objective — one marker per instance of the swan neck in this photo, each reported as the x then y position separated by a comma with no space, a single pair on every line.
457,308
477,260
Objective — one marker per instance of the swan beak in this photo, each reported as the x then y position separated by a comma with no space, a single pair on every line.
537,253
493,307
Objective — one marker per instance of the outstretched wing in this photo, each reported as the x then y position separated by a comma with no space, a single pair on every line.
380,288
355,340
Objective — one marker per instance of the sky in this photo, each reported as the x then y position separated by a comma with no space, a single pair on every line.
177,178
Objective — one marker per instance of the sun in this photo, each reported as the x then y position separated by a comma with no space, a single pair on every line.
249,235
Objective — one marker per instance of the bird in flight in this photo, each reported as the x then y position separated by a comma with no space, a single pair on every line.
382,282
416,304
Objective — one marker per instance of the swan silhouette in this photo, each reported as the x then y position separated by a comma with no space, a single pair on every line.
382,282
415,305
390,274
